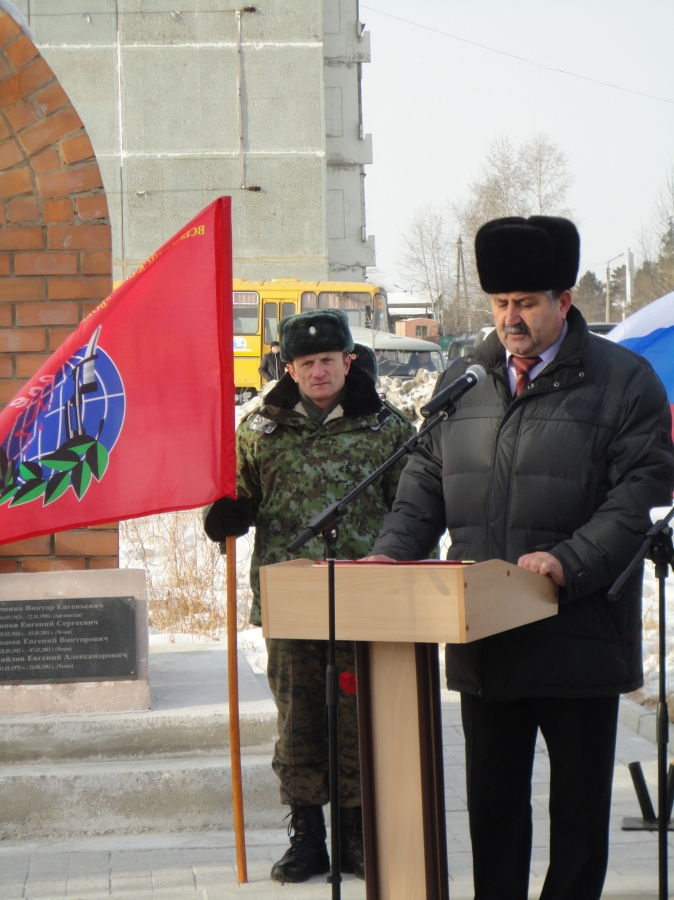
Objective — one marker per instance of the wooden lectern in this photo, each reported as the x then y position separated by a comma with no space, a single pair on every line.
398,613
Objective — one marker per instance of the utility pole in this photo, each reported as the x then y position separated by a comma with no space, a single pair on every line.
608,285
629,280
459,254
465,284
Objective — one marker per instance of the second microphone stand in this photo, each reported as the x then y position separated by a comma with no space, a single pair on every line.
657,547
325,525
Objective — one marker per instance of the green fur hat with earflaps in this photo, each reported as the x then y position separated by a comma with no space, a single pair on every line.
319,331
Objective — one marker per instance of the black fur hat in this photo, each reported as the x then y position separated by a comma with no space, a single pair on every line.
541,253
314,332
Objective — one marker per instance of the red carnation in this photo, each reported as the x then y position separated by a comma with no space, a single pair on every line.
347,682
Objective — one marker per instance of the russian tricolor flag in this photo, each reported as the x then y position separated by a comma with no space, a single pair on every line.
650,333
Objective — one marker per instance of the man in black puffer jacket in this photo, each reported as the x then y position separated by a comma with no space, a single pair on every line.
552,463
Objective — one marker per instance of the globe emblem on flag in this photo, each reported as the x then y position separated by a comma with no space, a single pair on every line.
65,431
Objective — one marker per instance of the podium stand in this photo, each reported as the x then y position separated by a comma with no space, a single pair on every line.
398,613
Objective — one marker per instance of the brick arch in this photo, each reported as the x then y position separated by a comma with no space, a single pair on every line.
55,255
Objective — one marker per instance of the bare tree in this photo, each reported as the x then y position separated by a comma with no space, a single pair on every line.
546,177
426,254
663,218
186,578
533,179
499,190
655,276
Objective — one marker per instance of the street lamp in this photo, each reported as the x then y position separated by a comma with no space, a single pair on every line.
608,285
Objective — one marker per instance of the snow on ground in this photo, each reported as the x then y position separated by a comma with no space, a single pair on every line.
649,692
159,638
252,646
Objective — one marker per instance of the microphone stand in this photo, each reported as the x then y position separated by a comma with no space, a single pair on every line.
657,547
326,525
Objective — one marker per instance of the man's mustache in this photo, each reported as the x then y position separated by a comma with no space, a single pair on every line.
522,328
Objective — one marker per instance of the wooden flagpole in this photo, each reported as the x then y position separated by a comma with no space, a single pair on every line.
234,733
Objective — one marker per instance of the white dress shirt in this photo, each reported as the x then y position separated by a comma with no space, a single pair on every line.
546,358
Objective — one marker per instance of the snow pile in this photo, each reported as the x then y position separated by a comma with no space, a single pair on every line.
255,403
161,638
409,394
252,645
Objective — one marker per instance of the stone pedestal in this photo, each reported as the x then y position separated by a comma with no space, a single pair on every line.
81,696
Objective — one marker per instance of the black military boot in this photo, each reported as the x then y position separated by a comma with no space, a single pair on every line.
307,854
352,856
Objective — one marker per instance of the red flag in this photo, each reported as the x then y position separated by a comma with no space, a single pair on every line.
134,413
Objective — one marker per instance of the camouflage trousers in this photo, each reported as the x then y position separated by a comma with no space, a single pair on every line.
296,672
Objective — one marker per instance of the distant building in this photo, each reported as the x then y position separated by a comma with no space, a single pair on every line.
263,105
405,305
425,329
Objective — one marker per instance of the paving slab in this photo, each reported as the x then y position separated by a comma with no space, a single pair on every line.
183,862
189,715
189,676
202,865
165,769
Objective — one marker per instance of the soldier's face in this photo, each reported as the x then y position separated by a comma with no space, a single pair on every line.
320,376
529,322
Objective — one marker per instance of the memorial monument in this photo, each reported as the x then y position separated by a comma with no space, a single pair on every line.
73,642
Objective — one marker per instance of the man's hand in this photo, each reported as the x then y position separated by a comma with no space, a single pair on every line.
544,564
227,517
379,558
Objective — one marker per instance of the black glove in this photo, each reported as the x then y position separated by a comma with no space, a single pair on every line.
228,518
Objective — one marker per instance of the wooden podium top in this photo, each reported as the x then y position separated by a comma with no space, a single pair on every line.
404,602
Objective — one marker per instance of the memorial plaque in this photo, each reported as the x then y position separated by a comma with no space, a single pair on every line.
84,639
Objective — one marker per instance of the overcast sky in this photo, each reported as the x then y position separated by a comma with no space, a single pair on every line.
433,105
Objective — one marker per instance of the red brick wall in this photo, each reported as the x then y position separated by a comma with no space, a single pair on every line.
55,256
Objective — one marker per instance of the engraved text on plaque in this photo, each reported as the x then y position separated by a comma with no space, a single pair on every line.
68,640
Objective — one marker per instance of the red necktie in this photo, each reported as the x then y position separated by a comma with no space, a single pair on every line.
522,367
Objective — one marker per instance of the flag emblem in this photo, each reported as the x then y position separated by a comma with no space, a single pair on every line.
65,431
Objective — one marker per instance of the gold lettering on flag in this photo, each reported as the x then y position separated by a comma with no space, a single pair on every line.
197,231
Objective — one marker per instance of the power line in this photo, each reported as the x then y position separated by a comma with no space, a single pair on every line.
112,14
529,62
381,12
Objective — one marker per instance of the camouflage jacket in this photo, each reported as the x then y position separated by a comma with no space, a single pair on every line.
290,468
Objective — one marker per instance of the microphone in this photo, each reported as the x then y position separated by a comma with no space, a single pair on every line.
472,376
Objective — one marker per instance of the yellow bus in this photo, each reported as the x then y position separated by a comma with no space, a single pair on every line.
259,306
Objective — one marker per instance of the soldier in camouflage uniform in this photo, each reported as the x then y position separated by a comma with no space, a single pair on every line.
322,429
